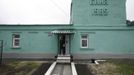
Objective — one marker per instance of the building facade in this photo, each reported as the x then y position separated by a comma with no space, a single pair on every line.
97,30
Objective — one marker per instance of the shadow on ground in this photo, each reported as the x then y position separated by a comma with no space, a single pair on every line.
82,69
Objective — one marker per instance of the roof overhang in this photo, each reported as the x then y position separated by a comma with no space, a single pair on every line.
62,32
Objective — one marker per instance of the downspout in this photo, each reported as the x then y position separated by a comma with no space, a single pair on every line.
97,61
1,51
71,13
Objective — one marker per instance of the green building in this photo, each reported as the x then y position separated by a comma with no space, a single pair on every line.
97,30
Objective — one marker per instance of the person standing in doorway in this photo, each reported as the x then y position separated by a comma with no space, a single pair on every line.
64,48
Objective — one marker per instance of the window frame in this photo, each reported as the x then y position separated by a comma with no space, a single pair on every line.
14,40
81,39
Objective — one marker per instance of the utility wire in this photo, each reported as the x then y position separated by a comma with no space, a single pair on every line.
61,9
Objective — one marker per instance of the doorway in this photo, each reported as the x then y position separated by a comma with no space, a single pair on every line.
63,44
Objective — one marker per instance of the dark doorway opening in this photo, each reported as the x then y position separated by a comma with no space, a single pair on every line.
62,44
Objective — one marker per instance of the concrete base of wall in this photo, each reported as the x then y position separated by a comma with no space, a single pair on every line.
103,56
37,56
28,56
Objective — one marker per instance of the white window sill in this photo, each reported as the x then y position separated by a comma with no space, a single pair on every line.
87,49
16,47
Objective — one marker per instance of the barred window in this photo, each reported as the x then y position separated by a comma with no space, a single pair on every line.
16,40
84,41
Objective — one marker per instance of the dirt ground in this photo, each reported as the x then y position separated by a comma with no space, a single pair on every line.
82,69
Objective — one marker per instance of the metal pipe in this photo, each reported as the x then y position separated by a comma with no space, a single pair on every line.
1,51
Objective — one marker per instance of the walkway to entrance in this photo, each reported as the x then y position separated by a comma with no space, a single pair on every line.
62,66
62,69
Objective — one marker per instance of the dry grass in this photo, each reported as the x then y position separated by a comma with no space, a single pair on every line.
104,69
113,67
19,67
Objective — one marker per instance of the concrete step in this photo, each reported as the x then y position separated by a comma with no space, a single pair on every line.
66,58
68,55
63,59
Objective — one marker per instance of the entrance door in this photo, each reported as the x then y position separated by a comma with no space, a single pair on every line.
63,44
67,44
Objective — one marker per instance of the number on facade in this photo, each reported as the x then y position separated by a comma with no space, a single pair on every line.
99,12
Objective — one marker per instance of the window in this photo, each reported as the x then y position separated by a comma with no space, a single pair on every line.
84,41
98,2
16,40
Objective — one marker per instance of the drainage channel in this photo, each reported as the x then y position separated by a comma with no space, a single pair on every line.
61,69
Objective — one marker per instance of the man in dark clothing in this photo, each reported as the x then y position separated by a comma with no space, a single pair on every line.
63,48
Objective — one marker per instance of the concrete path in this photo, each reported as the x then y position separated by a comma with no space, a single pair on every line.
62,69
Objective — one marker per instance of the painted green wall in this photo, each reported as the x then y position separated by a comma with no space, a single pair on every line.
104,41
30,41
83,13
